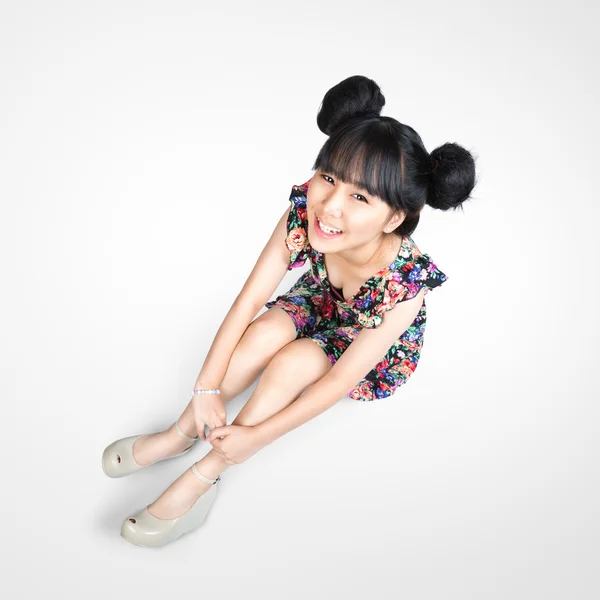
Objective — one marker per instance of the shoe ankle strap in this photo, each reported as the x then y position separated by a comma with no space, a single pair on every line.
202,478
183,434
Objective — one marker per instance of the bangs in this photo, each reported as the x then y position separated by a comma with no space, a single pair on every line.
366,155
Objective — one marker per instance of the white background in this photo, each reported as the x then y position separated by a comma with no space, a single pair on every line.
147,150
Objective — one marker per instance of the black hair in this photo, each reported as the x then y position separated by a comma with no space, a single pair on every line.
387,158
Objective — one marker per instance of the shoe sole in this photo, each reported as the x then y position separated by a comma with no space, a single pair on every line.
177,538
134,543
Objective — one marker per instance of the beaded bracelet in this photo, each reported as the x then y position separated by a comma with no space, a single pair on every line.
204,391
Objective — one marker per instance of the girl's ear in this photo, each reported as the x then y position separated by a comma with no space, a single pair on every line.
394,221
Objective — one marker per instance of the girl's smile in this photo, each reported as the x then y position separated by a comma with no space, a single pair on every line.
322,233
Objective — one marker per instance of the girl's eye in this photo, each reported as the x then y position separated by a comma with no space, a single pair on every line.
327,178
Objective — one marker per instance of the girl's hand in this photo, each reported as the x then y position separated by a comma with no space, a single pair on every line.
208,410
235,443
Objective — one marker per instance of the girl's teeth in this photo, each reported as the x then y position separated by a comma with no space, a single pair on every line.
327,230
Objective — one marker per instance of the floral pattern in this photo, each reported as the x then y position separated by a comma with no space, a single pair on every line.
322,315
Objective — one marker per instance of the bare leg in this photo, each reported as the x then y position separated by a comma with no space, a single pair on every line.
263,338
280,384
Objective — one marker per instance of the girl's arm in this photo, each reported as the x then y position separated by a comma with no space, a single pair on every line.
270,268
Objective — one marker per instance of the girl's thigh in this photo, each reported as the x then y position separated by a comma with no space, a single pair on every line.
303,304
275,327
300,315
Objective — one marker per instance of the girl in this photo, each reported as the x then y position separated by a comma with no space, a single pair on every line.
354,321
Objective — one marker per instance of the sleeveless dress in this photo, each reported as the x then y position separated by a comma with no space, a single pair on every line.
321,313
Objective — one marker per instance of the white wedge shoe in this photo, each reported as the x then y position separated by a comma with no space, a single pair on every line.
118,461
144,529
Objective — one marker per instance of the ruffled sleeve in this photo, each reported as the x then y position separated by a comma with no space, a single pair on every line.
297,228
404,283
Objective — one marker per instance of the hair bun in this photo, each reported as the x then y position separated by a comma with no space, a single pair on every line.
356,96
452,178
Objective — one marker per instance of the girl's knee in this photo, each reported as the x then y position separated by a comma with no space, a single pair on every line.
302,358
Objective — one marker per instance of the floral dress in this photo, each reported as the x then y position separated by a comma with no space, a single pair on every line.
321,313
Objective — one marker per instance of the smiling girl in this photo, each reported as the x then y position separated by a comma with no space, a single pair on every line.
352,325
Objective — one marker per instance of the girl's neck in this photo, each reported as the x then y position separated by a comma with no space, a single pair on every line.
371,256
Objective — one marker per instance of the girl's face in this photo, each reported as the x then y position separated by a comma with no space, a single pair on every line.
360,216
